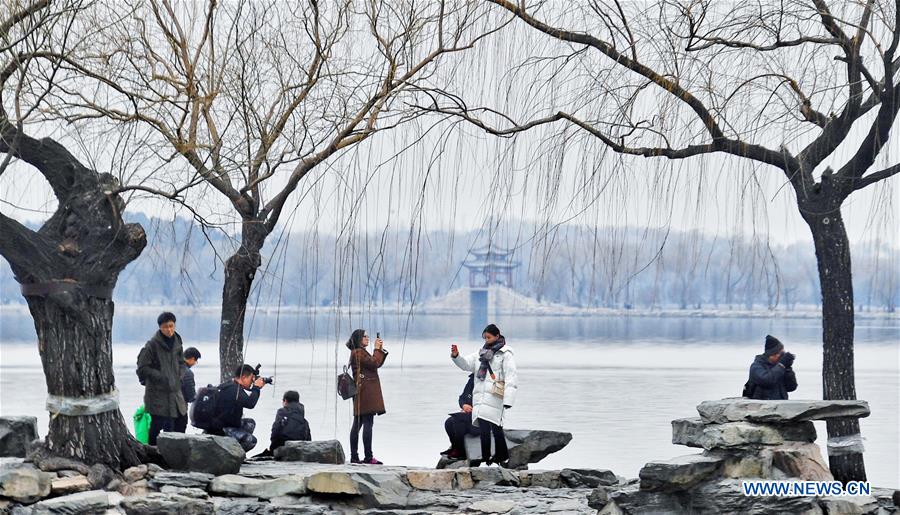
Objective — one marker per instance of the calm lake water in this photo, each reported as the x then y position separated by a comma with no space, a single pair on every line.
615,383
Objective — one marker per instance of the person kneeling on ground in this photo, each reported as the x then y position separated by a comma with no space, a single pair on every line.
771,374
459,424
230,404
290,424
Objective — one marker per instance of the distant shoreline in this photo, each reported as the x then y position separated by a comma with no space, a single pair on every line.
549,311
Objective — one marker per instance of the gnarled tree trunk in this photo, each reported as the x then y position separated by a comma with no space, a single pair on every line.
68,270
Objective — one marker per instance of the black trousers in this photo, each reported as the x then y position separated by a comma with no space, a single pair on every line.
501,451
180,424
458,425
157,425
366,422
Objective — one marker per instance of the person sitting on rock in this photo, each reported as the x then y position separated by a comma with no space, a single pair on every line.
188,387
771,375
230,404
459,424
290,424
495,386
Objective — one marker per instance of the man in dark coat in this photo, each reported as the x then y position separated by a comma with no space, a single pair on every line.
188,387
159,370
230,404
458,425
771,375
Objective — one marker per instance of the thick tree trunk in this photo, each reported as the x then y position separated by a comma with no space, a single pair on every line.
68,270
836,283
75,343
240,270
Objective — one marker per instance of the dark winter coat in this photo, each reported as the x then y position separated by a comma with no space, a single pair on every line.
771,382
188,387
365,367
466,396
159,368
230,404
290,424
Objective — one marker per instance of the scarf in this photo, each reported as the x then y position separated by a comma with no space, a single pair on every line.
167,342
485,355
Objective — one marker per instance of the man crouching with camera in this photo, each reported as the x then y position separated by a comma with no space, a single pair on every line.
231,401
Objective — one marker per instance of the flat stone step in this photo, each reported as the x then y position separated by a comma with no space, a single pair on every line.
740,409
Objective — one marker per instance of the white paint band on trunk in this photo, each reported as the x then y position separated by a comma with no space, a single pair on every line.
843,445
83,406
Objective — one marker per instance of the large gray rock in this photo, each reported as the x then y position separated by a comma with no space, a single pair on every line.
727,496
201,453
377,489
850,505
632,500
240,486
791,460
24,483
93,501
15,435
693,432
587,478
679,473
748,434
724,496
525,445
181,480
166,504
799,460
778,412
327,451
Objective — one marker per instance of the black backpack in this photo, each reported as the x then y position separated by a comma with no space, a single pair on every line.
203,410
749,389
295,427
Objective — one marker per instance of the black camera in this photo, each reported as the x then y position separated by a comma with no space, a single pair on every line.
267,380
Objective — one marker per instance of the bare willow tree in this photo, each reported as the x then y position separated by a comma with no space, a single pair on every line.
68,268
804,88
246,98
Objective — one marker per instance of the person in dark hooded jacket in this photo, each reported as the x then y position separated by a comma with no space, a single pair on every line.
459,424
159,370
771,374
188,386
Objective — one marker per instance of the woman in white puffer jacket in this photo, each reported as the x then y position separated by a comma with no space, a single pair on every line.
496,383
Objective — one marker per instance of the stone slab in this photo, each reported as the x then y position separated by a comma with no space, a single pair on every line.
740,409
235,485
678,473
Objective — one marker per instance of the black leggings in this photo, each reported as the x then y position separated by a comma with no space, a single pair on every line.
502,452
366,422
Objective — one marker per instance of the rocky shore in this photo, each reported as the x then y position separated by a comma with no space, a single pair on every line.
740,440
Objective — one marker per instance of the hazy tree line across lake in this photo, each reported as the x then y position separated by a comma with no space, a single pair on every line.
568,264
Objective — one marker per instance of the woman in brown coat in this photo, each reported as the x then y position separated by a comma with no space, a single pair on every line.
368,401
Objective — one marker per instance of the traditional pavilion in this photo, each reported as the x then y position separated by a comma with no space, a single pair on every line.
489,266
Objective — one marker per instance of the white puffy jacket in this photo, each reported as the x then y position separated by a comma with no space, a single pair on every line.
485,404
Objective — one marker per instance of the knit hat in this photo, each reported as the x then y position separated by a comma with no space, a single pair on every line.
773,345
